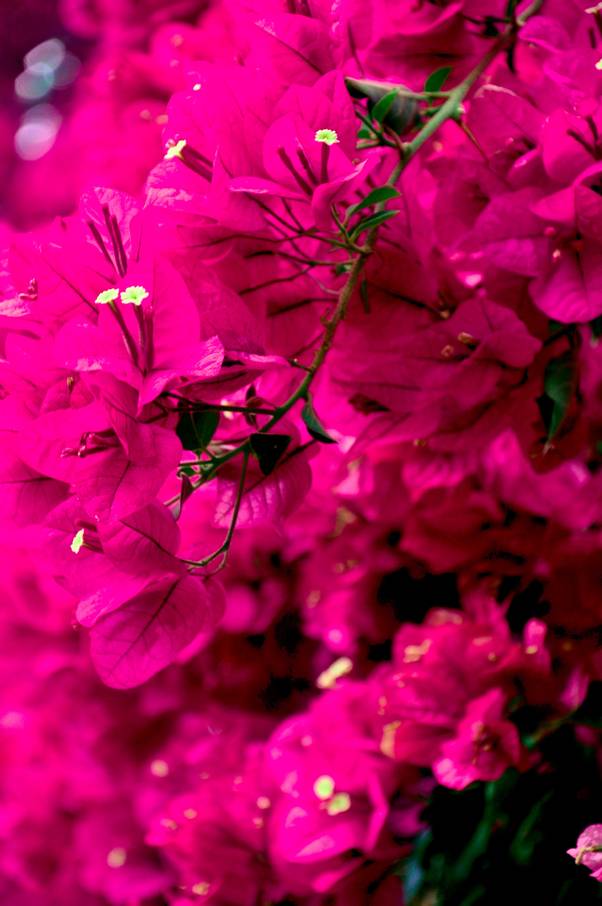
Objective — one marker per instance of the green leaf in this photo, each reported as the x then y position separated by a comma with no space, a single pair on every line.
314,425
364,295
436,80
377,196
475,896
206,425
343,267
399,112
413,869
196,429
382,107
528,836
268,449
373,221
558,387
554,326
475,848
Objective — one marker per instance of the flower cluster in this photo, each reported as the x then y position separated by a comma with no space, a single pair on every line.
301,458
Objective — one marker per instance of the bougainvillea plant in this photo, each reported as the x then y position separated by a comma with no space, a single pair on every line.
301,460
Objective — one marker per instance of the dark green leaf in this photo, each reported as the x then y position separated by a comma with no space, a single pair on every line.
436,80
412,869
268,449
370,89
528,837
558,387
377,196
196,429
373,221
382,107
475,896
492,28
401,112
475,848
314,426
185,431
357,88
206,425
364,295
343,267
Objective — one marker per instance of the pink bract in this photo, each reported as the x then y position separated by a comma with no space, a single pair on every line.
300,451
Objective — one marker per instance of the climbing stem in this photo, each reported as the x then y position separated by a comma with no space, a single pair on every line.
223,548
450,109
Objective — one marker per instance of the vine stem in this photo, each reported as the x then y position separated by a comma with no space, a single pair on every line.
223,548
329,334
217,407
402,91
448,110
531,10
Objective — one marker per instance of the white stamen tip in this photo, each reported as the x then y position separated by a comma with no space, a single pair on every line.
134,295
77,542
106,296
117,857
327,137
324,787
175,149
